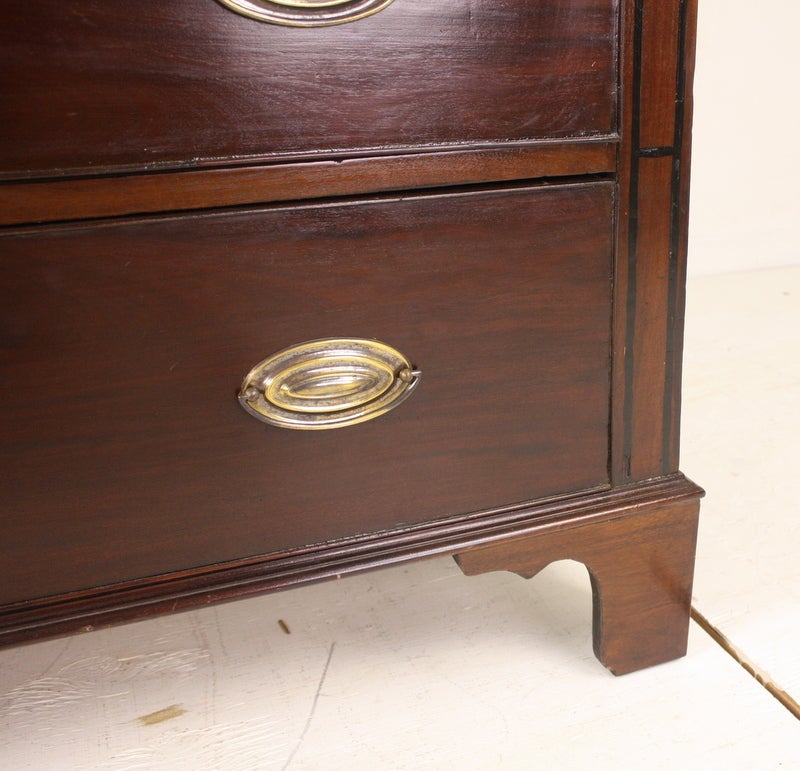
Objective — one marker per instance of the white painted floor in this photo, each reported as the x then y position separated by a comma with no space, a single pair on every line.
420,667
741,441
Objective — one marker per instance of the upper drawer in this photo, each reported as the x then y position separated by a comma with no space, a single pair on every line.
91,86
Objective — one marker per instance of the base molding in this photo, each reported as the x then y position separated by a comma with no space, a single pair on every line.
651,523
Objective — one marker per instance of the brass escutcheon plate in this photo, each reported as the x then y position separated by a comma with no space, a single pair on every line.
328,383
306,13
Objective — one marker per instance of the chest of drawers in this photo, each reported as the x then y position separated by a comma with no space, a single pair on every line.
292,290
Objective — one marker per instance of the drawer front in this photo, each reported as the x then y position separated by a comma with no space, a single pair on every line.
88,86
125,452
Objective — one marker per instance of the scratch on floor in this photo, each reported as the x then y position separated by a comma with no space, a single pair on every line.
162,715
313,708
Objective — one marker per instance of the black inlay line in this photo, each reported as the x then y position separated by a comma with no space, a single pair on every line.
655,152
674,335
633,233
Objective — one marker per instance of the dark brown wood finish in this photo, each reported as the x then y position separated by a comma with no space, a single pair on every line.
497,188
90,87
98,197
658,66
641,567
136,414
154,595
676,304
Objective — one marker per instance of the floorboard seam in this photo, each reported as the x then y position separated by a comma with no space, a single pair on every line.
759,675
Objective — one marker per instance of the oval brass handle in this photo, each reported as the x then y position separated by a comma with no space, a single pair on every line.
328,383
306,13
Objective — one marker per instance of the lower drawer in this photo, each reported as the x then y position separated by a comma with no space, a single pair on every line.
125,451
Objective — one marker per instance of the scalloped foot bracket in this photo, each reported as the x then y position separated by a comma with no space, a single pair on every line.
641,567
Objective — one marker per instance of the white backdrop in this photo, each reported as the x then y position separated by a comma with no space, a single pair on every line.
746,157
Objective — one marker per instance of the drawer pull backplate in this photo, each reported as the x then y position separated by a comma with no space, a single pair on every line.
328,383
306,13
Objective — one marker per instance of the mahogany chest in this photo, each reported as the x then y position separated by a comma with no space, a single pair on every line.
295,289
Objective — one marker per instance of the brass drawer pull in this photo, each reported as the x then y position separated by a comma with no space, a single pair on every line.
328,383
306,13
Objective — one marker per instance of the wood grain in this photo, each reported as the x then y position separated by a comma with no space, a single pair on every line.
131,456
185,191
649,341
97,607
661,32
641,568
651,237
94,197
89,88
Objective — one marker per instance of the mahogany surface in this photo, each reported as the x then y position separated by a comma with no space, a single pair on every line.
497,188
188,82
147,193
136,418
641,568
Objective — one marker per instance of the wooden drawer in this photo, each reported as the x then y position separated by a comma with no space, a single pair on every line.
125,453
91,87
